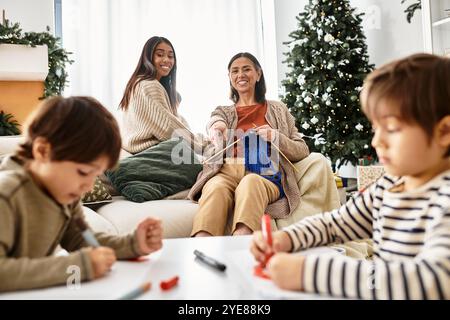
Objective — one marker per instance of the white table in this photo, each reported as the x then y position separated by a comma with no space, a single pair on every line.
197,280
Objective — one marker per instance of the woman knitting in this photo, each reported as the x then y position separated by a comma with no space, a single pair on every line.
254,173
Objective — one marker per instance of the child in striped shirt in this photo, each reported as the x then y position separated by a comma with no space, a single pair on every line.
406,212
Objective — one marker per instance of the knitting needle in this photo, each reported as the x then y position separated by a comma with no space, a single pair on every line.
219,152
278,149
224,149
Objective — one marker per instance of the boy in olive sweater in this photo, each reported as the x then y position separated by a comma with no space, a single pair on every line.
68,143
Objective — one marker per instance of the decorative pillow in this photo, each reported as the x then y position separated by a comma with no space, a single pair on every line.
160,171
98,194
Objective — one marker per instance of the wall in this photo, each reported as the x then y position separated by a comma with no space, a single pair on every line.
32,15
389,35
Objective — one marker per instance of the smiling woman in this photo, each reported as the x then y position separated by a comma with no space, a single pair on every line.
150,103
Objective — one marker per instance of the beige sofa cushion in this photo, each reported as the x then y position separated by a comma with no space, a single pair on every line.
176,215
98,223
318,191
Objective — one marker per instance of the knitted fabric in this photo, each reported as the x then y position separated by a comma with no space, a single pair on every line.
257,159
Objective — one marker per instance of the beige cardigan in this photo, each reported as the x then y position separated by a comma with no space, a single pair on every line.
289,142
32,224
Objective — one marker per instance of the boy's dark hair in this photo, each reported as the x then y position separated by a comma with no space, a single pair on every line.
79,129
260,87
418,85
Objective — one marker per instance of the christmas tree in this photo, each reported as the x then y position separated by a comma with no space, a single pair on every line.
328,62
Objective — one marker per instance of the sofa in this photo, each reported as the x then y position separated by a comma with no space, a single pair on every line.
315,178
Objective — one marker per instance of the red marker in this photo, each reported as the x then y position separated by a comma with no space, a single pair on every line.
259,272
168,284
267,234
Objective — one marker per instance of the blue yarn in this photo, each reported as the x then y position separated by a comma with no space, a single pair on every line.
257,159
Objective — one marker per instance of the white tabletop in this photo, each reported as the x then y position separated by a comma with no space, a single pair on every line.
196,280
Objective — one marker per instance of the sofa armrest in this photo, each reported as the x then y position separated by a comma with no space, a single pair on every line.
9,144
318,191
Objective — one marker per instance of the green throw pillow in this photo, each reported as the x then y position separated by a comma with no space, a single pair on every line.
98,194
157,172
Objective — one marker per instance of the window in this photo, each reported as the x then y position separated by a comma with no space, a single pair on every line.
106,38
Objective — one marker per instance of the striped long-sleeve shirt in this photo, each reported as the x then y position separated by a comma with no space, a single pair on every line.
150,119
411,234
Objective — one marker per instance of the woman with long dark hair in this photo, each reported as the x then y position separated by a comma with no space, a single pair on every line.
150,100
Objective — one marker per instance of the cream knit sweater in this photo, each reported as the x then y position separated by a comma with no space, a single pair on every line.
150,118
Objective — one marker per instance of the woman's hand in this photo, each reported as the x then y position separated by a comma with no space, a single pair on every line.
149,235
286,270
218,133
261,249
266,132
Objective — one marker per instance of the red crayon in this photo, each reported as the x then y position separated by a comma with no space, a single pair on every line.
267,234
168,284
266,229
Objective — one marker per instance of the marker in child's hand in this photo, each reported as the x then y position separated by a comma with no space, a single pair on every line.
87,234
170,283
267,234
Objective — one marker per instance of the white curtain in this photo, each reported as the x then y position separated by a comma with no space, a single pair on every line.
107,36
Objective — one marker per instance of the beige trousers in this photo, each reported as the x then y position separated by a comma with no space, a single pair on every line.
237,192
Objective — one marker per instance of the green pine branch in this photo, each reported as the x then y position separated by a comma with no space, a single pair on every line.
58,57
411,9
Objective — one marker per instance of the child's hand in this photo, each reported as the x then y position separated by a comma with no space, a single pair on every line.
260,248
286,270
102,258
149,235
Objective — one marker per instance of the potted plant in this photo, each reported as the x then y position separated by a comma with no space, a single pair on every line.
8,126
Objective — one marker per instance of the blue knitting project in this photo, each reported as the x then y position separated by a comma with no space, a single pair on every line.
257,159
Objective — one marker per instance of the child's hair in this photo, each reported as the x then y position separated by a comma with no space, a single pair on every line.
145,70
418,86
79,129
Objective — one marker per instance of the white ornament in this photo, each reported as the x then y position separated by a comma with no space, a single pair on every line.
328,38
316,107
305,126
330,65
366,146
301,80
359,127
329,89
308,99
319,33
328,103
314,120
